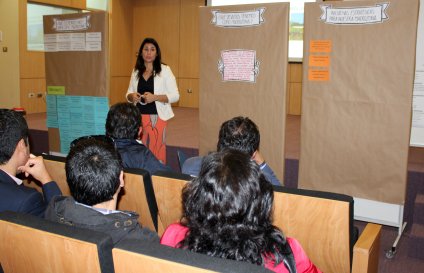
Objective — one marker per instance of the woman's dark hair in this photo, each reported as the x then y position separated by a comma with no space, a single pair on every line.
139,65
227,210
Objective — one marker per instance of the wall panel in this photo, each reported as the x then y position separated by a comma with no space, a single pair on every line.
158,19
189,93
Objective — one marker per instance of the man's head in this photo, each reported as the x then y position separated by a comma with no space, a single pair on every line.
93,171
123,121
239,133
13,136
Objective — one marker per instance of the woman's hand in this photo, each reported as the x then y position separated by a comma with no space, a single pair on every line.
134,97
149,97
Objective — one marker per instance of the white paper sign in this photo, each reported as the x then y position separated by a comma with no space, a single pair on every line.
50,38
50,47
354,15
93,46
72,24
238,18
93,36
238,65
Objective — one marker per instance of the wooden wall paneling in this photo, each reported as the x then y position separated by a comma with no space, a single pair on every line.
79,4
31,63
189,38
295,104
295,72
122,57
35,104
294,89
118,89
288,90
158,19
189,93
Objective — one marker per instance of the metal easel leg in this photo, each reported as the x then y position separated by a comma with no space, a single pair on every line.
390,253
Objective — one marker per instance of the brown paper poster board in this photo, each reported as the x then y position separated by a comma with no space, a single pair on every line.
243,73
76,57
357,94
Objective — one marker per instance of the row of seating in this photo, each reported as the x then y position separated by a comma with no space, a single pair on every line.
32,244
321,221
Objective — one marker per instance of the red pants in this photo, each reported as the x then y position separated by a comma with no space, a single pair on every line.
153,135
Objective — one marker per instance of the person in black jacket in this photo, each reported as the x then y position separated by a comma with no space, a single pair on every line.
123,125
15,158
95,177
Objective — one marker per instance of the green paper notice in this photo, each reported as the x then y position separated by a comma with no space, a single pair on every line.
56,90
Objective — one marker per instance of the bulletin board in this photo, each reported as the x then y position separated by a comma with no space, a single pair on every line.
243,71
76,58
358,78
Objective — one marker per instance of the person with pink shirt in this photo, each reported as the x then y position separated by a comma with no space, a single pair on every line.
227,213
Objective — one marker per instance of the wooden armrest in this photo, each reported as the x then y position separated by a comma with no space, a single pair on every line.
366,250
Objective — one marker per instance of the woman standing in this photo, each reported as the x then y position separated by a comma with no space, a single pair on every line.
153,88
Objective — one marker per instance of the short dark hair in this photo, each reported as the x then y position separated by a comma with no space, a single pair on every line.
13,128
239,133
228,210
92,169
123,121
139,65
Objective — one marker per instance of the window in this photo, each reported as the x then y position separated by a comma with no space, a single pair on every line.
35,12
296,22
97,4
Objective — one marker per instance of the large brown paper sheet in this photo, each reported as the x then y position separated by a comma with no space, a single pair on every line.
357,97
263,101
81,73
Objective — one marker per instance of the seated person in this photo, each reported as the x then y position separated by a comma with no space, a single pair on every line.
95,176
123,124
227,214
241,134
15,158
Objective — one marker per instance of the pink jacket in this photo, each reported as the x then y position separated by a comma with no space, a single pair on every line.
175,233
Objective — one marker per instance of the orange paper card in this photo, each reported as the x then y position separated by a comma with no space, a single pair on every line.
319,60
318,75
316,46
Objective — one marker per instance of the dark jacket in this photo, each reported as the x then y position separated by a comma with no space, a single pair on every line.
20,198
120,226
136,155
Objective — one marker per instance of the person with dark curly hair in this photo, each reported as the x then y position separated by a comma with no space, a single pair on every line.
227,213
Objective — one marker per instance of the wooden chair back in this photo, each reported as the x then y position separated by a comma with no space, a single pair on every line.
55,165
32,244
132,198
322,222
138,196
153,257
168,187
